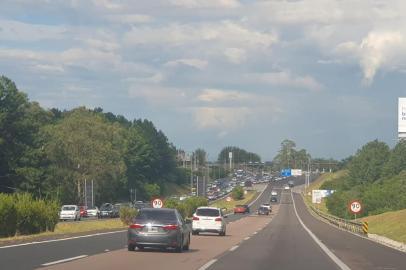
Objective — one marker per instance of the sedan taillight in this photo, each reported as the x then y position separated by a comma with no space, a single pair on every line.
136,226
170,227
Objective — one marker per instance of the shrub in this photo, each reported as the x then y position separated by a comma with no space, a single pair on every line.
8,218
188,206
127,214
237,193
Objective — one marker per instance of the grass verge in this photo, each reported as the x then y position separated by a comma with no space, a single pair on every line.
249,197
70,228
390,224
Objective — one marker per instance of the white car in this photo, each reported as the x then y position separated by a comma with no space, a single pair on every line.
69,212
286,187
93,212
208,219
267,205
274,193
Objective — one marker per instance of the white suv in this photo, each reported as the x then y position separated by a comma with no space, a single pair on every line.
208,219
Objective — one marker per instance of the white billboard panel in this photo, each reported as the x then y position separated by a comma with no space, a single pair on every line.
319,194
296,172
402,115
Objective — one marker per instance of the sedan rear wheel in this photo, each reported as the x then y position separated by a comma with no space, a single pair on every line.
131,247
179,248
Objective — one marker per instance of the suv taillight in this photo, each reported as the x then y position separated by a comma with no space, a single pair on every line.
218,219
195,218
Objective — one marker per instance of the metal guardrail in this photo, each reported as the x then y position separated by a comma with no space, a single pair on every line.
349,225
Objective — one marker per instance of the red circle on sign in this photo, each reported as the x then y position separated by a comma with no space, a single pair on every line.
355,207
157,203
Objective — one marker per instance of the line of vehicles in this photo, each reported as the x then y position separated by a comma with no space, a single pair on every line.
76,212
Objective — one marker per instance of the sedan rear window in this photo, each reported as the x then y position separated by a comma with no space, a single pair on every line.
156,215
207,212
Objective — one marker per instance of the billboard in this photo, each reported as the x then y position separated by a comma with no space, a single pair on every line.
296,172
318,194
402,118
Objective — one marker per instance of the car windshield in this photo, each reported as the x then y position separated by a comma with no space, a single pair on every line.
68,208
207,212
156,216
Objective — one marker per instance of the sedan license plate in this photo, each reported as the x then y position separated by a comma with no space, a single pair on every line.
152,229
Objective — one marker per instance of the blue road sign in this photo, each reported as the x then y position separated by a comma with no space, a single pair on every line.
286,172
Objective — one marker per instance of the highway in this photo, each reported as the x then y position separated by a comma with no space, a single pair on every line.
279,241
37,254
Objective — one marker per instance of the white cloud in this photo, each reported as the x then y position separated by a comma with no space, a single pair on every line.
130,18
285,78
25,32
376,50
192,62
158,95
217,95
222,34
222,118
206,3
235,55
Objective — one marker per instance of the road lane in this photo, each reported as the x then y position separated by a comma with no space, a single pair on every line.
37,254
203,248
283,244
356,252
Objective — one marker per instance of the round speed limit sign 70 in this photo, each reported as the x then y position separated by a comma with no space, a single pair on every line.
355,207
157,203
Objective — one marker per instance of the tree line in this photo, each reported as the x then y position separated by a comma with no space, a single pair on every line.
376,175
52,153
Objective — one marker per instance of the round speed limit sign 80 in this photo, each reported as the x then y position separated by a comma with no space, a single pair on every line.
355,207
157,203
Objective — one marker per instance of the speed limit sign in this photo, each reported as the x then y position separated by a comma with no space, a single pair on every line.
355,207
157,203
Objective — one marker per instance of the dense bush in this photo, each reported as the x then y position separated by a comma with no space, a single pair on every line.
22,214
237,193
127,214
8,219
188,206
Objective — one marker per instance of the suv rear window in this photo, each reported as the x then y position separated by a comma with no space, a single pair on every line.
207,212
69,208
156,215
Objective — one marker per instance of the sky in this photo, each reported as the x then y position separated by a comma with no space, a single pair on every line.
211,73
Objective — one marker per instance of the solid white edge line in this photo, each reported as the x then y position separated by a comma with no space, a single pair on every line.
208,264
64,260
233,248
62,239
246,238
333,257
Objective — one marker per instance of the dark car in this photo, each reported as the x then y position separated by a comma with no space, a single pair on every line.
263,210
241,209
109,210
159,228
274,199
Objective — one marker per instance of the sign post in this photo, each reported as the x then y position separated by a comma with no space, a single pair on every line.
157,203
355,207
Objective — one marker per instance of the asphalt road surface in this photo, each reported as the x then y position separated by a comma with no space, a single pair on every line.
284,244
32,256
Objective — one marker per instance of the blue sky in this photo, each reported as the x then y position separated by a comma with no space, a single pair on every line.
212,73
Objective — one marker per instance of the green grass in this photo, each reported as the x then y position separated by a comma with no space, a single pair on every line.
67,228
390,224
250,196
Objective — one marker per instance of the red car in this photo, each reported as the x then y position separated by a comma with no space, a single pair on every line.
241,209
83,211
